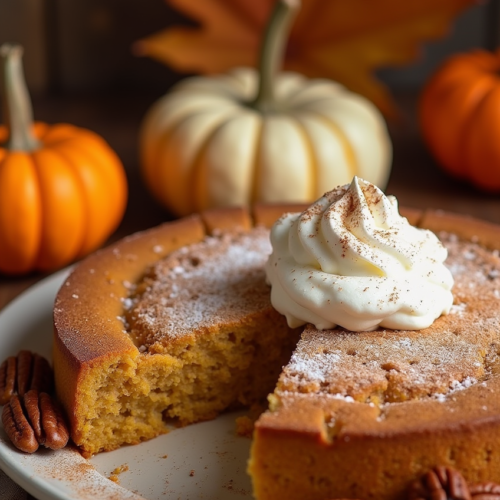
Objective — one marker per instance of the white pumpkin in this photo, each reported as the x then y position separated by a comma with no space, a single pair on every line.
206,144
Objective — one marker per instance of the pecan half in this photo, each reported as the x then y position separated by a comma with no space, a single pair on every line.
35,420
17,427
440,483
24,363
7,379
53,423
30,401
485,491
24,372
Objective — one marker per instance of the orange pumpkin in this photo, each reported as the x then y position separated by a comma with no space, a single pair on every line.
62,188
459,114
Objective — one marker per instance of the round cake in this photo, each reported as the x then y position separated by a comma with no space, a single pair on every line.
176,322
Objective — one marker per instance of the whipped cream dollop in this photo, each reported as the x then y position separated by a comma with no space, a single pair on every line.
352,260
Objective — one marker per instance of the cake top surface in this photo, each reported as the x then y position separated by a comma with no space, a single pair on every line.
219,280
455,352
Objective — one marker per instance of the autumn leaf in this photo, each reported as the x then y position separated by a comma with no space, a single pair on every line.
344,40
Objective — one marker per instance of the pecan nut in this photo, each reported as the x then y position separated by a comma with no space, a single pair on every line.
53,423
35,420
17,427
31,405
440,483
8,378
24,372
485,491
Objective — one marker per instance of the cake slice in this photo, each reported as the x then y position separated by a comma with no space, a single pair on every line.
362,415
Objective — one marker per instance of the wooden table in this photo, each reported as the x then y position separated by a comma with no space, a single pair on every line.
415,179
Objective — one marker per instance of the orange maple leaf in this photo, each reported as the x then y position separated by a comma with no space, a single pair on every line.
344,40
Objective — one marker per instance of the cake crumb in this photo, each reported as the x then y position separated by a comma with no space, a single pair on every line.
244,426
116,472
246,423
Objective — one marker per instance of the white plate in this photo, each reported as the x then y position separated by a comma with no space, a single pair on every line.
202,461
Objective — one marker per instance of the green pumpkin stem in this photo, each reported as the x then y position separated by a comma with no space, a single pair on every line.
16,103
272,52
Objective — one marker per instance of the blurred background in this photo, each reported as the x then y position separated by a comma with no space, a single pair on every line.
83,46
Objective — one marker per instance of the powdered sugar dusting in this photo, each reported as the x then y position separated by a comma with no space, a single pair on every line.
317,366
198,286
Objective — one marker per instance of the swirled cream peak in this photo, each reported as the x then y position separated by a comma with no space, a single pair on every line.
351,260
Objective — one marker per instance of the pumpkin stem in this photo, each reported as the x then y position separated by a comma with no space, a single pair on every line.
272,51
16,103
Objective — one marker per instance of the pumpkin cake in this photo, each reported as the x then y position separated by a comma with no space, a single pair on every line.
352,416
